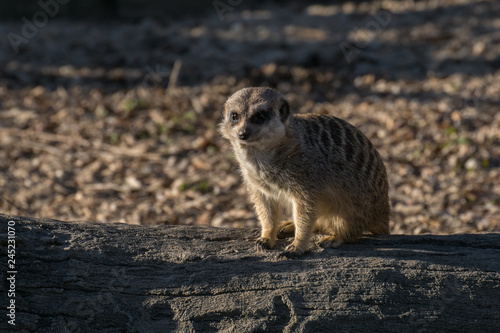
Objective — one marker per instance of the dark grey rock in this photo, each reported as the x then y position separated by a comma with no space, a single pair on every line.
90,277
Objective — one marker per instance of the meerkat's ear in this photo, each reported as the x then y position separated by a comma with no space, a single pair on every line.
284,110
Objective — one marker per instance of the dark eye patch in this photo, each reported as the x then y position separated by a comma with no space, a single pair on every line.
262,116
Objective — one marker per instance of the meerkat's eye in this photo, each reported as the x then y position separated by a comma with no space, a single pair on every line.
234,117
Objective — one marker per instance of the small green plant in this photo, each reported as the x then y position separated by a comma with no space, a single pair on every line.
451,130
135,104
211,149
185,122
470,198
142,135
189,119
202,186
162,128
462,140
114,138
190,116
454,139
212,126
101,112
455,86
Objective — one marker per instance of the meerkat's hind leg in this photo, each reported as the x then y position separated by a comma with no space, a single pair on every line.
341,231
286,229
325,227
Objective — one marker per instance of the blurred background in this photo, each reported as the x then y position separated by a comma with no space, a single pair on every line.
108,109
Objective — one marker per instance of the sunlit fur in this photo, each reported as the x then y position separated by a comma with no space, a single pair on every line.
323,168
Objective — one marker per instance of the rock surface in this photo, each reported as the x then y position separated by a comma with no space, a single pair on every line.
91,277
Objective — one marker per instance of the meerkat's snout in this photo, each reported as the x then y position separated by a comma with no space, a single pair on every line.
244,133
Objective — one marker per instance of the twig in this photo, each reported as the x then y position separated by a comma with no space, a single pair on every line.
21,211
174,75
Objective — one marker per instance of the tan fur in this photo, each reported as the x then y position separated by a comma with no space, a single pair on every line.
322,167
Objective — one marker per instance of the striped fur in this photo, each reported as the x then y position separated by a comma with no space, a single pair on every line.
322,167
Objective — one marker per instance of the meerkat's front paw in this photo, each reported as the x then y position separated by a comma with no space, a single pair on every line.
291,251
264,243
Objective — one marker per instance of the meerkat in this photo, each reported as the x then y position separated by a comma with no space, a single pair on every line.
322,167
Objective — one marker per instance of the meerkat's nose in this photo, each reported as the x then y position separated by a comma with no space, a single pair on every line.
243,134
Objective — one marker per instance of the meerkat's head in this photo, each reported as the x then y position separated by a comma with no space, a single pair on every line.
255,116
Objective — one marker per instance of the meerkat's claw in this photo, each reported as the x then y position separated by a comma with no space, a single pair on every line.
327,242
289,254
291,251
263,244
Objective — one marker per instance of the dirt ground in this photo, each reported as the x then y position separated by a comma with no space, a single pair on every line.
116,120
